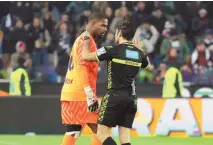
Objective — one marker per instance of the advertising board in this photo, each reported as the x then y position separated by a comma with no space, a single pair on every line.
172,117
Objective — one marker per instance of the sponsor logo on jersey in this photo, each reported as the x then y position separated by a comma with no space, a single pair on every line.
132,63
132,54
68,81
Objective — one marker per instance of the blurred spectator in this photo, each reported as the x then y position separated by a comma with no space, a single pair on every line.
159,73
120,14
172,58
201,56
46,7
115,20
66,19
148,35
109,15
202,76
158,20
208,40
125,14
187,73
20,51
56,13
7,23
35,32
39,59
175,41
99,6
75,9
48,22
63,48
139,15
180,24
168,27
201,23
194,7
17,34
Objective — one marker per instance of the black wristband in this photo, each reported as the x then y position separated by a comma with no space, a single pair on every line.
86,37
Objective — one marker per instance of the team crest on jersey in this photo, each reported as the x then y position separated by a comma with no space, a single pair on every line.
101,51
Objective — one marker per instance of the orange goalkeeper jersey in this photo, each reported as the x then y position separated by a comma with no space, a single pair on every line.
80,74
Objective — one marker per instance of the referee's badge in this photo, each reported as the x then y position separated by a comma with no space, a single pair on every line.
101,51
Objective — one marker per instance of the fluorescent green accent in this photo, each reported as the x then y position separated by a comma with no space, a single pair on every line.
104,103
96,56
127,62
15,80
109,85
169,90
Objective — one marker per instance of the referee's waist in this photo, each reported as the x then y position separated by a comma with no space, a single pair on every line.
127,87
123,89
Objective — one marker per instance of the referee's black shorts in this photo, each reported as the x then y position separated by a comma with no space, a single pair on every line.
118,108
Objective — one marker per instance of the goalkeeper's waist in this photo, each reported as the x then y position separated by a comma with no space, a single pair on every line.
73,96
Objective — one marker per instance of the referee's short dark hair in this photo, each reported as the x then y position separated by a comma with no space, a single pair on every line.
127,29
96,15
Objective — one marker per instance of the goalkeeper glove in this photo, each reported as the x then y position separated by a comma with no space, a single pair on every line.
92,101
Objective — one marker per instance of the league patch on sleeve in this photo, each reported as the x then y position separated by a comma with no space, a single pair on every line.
86,37
101,51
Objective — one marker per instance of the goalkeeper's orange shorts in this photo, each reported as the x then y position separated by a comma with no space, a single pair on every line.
75,112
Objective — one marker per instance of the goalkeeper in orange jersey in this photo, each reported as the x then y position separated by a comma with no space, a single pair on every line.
79,103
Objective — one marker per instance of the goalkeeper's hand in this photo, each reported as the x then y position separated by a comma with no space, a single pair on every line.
92,100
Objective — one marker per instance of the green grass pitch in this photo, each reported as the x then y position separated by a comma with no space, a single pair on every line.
85,140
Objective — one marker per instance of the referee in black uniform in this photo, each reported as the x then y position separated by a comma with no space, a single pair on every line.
119,105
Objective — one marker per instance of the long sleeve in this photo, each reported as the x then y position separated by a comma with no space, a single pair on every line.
155,35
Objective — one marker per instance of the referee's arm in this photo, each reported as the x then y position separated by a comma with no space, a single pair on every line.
145,62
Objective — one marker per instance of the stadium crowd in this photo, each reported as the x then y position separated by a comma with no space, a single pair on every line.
172,33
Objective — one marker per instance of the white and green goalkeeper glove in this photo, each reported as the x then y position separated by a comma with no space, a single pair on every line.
92,100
